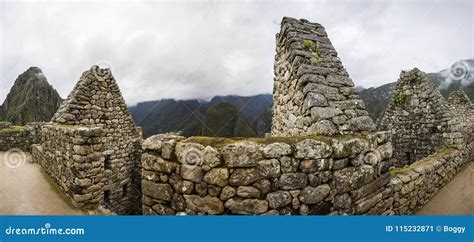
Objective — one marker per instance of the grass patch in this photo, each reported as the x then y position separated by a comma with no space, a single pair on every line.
14,129
400,98
57,189
307,44
221,142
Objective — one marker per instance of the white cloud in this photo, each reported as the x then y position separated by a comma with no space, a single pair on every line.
222,48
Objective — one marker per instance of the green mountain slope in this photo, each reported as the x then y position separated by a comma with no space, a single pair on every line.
225,120
31,99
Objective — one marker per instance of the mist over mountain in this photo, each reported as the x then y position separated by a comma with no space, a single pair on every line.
31,99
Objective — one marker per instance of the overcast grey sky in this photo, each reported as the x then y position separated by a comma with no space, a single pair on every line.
198,49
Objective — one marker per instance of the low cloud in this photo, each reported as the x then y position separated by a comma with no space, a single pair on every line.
198,49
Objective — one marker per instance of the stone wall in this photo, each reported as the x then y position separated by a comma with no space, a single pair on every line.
420,119
96,102
463,109
19,137
288,176
72,156
415,185
275,175
313,93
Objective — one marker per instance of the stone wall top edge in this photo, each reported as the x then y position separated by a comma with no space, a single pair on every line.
15,128
426,164
156,142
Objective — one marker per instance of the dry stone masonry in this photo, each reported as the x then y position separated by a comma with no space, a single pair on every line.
19,137
420,119
313,93
304,175
415,185
463,110
91,148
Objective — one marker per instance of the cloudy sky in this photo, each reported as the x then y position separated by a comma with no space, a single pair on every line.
198,49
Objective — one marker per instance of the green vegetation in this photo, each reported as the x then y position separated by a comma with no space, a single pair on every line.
57,189
14,129
307,44
221,141
316,55
225,120
31,99
400,98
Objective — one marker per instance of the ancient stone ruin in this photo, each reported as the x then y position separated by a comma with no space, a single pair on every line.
324,155
464,111
420,119
92,148
19,137
313,93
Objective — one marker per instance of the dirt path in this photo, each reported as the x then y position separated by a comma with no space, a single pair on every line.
456,198
25,191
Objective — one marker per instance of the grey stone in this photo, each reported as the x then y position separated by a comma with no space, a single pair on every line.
292,181
248,192
227,193
244,176
247,206
217,176
269,168
314,100
276,150
158,191
310,166
279,199
313,195
312,149
191,173
288,164
320,113
242,154
207,204
351,178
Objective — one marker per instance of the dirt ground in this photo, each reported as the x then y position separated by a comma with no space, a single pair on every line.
24,190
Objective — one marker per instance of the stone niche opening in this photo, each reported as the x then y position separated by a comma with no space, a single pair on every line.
107,163
124,190
107,199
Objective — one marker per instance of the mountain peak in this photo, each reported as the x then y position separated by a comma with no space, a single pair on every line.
31,99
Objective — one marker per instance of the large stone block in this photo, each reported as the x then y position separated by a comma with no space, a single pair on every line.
208,204
247,206
159,191
312,149
313,195
292,181
242,154
352,178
